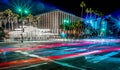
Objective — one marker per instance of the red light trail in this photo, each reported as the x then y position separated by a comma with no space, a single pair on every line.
43,47
35,60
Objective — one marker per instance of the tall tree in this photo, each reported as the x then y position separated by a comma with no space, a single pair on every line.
30,19
14,20
14,17
82,5
87,11
91,11
8,13
36,20
9,16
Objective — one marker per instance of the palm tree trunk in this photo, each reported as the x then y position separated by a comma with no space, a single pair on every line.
9,21
5,23
82,12
12,25
90,14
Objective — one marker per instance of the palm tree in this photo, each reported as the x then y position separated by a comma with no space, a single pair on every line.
12,20
87,11
15,20
5,16
8,14
33,20
90,12
30,18
10,17
98,13
38,19
82,5
4,19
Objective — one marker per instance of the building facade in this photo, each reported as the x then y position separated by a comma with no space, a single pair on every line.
53,19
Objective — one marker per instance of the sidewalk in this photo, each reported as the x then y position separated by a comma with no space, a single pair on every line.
53,41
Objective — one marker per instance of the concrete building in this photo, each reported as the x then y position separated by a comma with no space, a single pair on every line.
53,19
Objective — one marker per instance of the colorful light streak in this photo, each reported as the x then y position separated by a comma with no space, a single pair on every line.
84,53
103,40
87,51
34,60
16,63
44,47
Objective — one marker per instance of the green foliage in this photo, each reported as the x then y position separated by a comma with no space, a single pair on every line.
76,25
82,4
87,10
33,19
73,26
9,14
65,26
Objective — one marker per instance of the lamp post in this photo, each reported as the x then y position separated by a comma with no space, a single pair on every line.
22,11
65,23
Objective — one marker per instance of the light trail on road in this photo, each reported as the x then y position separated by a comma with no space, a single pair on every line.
84,53
52,58
75,50
44,47
78,43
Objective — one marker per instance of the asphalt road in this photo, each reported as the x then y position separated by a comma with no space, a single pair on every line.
92,54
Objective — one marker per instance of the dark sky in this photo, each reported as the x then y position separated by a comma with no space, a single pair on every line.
105,6
72,6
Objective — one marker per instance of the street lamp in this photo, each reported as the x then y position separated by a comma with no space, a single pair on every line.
65,22
22,11
103,31
26,11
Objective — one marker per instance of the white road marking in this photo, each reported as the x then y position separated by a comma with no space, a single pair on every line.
47,59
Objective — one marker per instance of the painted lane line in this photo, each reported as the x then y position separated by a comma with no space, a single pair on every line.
49,60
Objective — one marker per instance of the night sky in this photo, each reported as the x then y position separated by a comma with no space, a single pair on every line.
105,6
71,6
